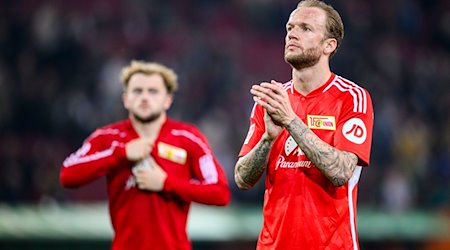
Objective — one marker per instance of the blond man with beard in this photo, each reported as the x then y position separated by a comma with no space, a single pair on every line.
155,166
311,135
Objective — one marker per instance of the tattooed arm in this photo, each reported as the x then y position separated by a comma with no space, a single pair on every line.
250,167
336,165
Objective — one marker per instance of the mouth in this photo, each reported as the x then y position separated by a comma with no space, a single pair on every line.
144,106
291,46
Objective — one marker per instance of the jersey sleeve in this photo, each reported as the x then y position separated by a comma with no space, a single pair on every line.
95,158
255,131
354,130
209,184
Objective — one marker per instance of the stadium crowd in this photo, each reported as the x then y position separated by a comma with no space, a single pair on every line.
59,79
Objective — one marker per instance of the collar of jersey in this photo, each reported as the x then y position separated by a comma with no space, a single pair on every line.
317,91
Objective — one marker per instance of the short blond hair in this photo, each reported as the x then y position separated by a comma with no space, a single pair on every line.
149,68
334,25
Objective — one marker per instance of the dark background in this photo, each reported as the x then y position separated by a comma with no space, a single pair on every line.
59,79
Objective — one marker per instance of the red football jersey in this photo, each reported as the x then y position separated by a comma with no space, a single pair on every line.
302,208
143,219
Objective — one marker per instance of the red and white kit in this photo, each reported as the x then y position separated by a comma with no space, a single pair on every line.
142,219
304,210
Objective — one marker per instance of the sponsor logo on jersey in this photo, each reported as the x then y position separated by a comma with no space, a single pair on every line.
282,163
321,122
355,131
292,150
291,146
172,153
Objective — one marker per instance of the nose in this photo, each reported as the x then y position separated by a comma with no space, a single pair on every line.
145,97
292,34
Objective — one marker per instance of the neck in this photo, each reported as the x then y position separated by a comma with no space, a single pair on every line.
309,79
149,129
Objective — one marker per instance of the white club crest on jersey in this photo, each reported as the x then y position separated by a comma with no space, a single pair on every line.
290,145
355,131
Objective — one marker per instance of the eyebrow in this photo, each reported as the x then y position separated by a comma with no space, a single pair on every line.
302,25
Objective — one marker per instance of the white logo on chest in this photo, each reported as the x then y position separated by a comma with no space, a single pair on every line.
291,146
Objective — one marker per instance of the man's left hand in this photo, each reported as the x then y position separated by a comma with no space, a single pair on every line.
275,100
150,178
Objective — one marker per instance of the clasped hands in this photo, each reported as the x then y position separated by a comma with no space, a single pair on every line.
275,101
149,175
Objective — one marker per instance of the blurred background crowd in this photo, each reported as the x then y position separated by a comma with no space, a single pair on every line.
60,63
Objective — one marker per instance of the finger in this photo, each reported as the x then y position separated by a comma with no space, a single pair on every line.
137,175
138,180
274,100
153,164
275,87
275,91
262,93
276,83
261,101
264,87
269,108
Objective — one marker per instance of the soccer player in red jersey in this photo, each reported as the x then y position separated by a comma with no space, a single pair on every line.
155,166
311,136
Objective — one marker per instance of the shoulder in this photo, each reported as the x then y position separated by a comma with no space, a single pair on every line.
349,92
182,125
185,130
188,133
344,86
111,130
182,128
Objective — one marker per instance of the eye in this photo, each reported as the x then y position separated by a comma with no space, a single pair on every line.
137,91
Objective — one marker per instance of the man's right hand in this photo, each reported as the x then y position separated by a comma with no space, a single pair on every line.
272,130
138,148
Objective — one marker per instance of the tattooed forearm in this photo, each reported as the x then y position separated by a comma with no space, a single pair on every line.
336,165
250,167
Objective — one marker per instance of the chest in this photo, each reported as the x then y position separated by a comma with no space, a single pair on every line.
318,105
171,153
321,114
173,156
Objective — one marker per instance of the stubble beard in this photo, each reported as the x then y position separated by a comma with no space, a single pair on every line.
147,119
306,59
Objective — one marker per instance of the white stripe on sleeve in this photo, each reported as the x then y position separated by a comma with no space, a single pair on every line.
208,169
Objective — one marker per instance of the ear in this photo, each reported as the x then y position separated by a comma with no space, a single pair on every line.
330,45
125,99
168,101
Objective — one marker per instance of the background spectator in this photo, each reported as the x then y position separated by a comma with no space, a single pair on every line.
59,64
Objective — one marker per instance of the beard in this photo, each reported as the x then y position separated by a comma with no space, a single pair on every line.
305,59
147,119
